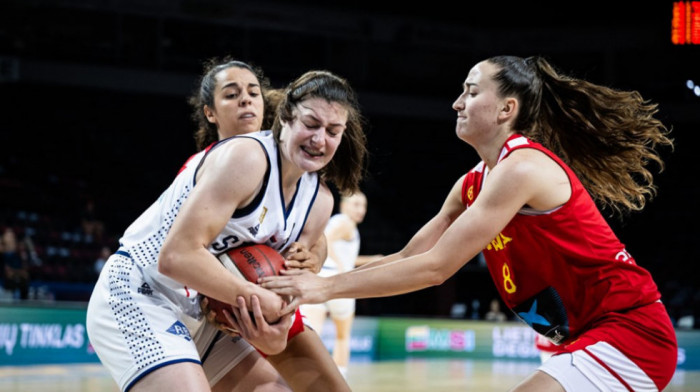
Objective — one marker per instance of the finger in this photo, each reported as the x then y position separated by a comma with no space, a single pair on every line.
291,272
211,317
285,321
243,316
295,264
292,307
277,279
242,311
209,314
293,248
257,311
233,325
299,254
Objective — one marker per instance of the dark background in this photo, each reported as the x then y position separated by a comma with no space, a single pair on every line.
93,97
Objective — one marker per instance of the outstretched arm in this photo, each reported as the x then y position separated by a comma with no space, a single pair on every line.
512,184
429,234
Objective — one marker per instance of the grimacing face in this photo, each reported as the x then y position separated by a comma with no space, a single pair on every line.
238,103
311,139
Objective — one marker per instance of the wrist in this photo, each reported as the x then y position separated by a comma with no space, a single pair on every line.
331,284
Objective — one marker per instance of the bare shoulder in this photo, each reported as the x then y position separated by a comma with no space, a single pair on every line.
241,150
535,173
324,199
528,162
235,167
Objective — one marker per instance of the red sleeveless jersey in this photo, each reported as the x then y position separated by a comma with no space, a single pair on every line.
560,270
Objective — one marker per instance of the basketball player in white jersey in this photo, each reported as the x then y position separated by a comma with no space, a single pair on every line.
228,102
144,319
343,255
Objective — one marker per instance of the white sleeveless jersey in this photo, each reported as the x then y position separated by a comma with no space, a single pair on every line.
345,250
265,220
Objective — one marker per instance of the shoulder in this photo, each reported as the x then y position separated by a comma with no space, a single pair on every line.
240,162
324,198
533,176
240,150
528,162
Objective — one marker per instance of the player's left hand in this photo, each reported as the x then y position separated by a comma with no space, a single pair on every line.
268,338
298,256
211,318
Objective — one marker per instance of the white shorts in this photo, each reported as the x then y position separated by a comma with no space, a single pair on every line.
338,309
598,367
135,330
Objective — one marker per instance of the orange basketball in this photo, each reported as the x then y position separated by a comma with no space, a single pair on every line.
249,262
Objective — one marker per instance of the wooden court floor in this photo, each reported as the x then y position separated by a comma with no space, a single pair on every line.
389,376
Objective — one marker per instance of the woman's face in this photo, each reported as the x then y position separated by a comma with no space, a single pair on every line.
310,140
355,207
238,103
479,104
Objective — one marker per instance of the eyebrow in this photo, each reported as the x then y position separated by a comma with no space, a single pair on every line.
235,84
313,116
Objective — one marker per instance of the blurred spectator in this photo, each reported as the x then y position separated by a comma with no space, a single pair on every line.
105,252
494,313
92,225
16,264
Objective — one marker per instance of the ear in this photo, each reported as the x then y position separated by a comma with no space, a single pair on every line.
509,109
209,114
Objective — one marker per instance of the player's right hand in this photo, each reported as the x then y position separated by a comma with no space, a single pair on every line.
269,338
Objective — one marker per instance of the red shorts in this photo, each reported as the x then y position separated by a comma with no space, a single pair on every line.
645,335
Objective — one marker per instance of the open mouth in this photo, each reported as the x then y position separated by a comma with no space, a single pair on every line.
312,152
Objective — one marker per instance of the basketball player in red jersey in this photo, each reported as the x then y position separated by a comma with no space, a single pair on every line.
234,98
528,206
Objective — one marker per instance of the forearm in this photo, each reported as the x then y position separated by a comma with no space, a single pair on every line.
430,268
386,278
422,241
201,271
320,249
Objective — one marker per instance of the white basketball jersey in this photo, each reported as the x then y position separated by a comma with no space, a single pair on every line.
265,220
345,250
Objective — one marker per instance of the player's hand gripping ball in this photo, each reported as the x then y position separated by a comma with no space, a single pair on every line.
249,262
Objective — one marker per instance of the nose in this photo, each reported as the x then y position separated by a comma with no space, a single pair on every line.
317,135
245,100
458,103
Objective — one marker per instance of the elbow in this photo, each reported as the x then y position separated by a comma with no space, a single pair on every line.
437,274
167,263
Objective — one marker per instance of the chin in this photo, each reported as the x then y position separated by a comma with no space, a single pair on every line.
312,166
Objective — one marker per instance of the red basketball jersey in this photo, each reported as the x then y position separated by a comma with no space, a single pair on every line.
560,270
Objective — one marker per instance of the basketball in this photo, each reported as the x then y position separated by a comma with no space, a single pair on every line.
249,262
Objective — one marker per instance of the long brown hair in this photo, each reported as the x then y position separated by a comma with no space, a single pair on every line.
346,169
608,137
